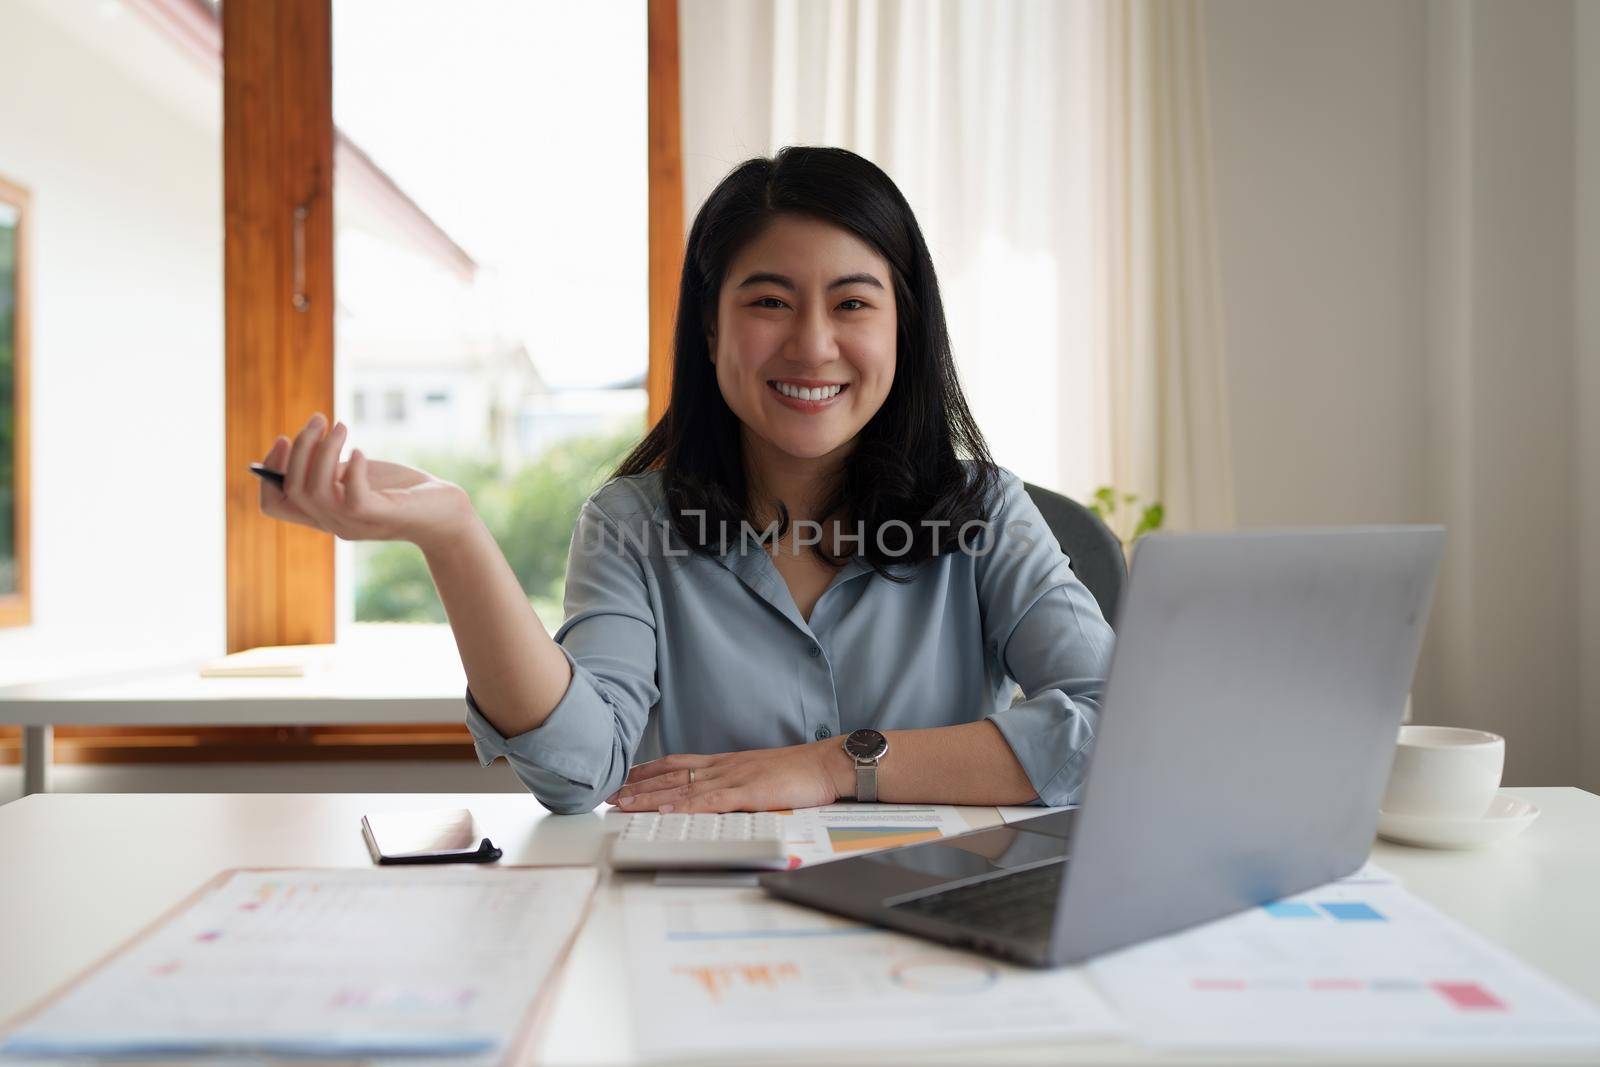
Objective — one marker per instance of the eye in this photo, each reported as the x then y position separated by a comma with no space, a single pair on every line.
763,303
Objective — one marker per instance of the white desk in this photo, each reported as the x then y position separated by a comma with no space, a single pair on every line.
391,678
81,873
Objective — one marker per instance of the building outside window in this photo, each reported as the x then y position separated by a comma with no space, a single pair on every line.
491,269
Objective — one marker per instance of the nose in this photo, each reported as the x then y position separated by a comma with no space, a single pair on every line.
813,343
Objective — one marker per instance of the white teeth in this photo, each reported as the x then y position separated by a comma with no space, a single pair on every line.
802,393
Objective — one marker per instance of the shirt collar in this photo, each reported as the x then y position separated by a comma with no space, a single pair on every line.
755,568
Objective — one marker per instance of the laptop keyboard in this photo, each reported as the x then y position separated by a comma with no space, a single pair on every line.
1021,904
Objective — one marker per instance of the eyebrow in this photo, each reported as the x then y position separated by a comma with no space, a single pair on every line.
767,277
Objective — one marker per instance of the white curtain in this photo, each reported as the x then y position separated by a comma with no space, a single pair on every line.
1158,300
993,116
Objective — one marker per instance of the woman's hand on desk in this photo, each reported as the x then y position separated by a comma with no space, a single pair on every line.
359,499
764,779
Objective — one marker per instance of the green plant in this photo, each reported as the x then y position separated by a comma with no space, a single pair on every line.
1122,514
530,512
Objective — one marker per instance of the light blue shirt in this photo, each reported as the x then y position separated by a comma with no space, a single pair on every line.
676,651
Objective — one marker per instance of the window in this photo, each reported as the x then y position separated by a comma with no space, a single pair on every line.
111,201
164,61
492,267
14,561
394,405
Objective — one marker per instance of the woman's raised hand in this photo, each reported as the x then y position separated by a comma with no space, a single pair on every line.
359,499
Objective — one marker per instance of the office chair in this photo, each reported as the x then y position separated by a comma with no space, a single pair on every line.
1092,549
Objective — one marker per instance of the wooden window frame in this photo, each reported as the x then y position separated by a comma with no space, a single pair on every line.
666,198
16,608
279,146
277,151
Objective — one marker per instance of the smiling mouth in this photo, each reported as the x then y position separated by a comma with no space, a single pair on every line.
806,397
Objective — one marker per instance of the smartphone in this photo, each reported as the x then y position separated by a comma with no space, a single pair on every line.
440,835
267,474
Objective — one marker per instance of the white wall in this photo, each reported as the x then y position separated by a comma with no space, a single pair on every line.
126,359
1502,364
1587,71
1317,130
1396,201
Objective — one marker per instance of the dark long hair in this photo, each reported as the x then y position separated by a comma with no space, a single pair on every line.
907,461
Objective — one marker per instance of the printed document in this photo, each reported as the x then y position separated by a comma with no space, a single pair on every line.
1359,962
442,961
736,971
1021,813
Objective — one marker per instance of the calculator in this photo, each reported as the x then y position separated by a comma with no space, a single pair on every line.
651,841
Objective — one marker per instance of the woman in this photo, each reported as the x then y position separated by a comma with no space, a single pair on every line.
899,586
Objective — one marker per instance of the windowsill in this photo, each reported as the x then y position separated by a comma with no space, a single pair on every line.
30,657
221,744
389,653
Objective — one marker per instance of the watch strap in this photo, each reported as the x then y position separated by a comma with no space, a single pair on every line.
867,781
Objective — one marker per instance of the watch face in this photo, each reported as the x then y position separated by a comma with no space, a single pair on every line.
866,744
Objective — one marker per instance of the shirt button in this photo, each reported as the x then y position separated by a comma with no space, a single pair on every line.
823,733
814,650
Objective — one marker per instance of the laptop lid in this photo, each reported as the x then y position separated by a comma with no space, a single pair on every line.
1254,699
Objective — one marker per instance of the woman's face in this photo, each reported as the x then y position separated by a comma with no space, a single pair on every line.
804,339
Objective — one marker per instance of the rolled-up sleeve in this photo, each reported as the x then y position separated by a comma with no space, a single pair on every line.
1047,630
581,753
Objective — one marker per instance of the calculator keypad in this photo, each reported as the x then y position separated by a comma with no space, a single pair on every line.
651,840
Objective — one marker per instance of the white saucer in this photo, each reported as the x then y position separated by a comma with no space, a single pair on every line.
1507,817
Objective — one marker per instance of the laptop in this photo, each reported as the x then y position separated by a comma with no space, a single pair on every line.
1248,724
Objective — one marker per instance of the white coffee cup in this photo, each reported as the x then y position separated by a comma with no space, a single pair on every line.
1445,772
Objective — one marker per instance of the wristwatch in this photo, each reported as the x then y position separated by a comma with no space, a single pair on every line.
866,747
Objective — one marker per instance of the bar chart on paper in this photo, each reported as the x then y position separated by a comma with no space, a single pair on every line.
862,838
1458,995
722,981
1344,965
816,835
723,970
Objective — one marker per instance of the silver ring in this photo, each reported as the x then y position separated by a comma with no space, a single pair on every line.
691,776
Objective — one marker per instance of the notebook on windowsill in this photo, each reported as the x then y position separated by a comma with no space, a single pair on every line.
271,661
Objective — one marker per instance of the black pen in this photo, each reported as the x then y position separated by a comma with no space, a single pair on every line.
267,474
